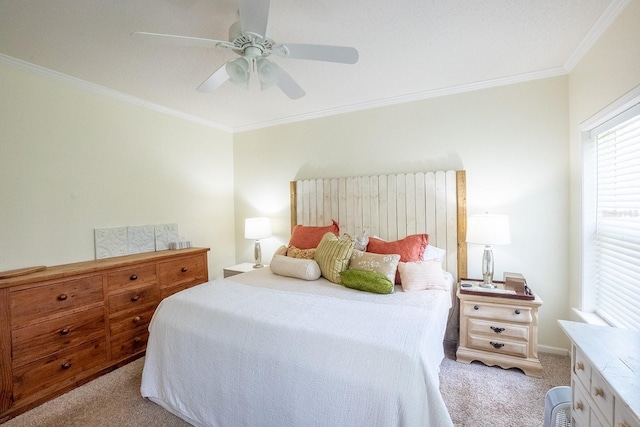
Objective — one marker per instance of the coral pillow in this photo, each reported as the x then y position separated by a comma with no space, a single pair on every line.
410,249
308,237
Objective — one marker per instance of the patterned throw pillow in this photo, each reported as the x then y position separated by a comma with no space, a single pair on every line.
368,281
411,248
386,264
333,255
294,252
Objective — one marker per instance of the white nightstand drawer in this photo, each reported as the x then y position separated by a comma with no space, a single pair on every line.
510,313
499,345
498,329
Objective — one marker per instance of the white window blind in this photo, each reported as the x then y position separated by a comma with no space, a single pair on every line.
617,237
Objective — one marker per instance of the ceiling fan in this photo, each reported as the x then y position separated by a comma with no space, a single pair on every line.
248,38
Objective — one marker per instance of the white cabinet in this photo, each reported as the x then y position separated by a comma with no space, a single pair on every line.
605,375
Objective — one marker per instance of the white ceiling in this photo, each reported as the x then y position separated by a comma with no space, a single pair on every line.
409,49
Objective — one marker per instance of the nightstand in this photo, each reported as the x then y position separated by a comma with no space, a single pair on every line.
499,331
237,269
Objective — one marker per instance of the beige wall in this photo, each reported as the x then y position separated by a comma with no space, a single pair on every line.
511,140
609,70
72,161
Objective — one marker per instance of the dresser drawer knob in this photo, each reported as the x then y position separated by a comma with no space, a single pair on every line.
135,298
580,366
496,329
66,365
136,319
133,277
64,331
599,392
62,297
496,344
184,269
475,307
517,311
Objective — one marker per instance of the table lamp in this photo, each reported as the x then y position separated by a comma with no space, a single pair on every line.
488,230
256,229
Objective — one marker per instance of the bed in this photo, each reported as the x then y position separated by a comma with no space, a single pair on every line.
262,349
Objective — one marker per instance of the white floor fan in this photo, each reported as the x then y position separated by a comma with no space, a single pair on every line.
248,38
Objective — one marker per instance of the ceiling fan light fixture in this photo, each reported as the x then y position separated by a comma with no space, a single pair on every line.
268,73
238,70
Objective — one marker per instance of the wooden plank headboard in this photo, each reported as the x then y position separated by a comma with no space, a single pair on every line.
391,207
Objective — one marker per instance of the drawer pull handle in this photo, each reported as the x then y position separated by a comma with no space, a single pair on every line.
136,319
135,298
64,331
133,277
475,307
497,330
62,297
184,269
137,340
579,406
496,344
580,366
66,365
517,312
599,392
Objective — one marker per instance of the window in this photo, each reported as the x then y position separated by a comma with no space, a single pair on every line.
611,272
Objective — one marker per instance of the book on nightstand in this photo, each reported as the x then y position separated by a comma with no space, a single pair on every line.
513,286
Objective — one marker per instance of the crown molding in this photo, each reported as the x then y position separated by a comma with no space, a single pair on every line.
417,96
597,30
101,90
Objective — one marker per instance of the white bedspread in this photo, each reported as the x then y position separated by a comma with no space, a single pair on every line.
231,354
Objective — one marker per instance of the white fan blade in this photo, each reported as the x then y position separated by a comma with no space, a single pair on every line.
289,86
317,52
254,15
215,80
182,40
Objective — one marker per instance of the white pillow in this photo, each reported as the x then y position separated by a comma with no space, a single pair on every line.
422,275
306,269
431,253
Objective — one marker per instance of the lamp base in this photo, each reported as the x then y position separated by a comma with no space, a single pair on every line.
488,285
258,266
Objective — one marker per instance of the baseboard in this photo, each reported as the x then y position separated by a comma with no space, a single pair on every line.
553,350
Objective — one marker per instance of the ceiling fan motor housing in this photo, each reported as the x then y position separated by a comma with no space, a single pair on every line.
249,44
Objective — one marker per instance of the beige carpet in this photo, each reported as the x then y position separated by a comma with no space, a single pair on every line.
475,394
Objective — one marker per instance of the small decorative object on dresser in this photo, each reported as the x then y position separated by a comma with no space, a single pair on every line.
499,327
605,375
65,325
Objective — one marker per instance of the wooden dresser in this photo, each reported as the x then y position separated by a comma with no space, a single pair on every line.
605,375
500,331
68,324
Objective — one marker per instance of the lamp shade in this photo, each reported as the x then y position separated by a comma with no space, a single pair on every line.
488,229
257,228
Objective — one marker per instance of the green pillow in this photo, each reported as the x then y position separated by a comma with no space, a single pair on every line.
369,281
333,255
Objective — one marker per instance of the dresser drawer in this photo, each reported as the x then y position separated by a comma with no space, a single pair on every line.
498,345
42,339
498,330
580,409
183,272
602,395
139,275
130,320
58,370
582,368
623,416
132,299
510,313
42,301
129,343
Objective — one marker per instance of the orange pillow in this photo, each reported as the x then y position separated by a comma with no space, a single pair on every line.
410,249
308,237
